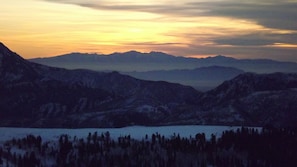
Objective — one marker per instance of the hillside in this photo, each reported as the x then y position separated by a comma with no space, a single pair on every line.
37,95
256,99
34,95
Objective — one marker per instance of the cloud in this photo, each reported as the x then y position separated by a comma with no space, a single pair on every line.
252,52
246,46
114,5
258,39
153,43
269,13
276,23
238,51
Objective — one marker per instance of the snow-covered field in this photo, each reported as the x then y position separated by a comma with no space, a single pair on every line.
136,132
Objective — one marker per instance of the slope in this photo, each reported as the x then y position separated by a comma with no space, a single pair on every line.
47,96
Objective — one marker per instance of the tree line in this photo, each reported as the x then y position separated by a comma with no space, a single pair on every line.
245,147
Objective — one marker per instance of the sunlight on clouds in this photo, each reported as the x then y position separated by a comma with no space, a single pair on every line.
122,2
284,45
72,29
205,29
63,26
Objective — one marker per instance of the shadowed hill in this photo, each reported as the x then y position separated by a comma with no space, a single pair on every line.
37,95
42,96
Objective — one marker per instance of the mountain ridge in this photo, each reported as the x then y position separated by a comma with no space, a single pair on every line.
8,61
60,97
140,62
158,66
57,97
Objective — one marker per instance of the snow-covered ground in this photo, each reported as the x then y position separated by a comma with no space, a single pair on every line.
136,132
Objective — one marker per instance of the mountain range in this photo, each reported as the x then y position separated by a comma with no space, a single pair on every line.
35,95
201,73
38,95
134,61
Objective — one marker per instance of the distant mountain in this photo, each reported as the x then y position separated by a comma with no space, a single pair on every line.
202,78
141,62
128,61
202,74
34,95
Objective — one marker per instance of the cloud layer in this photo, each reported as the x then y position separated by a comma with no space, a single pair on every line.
262,29
269,13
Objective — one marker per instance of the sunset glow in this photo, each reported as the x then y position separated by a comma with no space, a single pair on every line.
42,28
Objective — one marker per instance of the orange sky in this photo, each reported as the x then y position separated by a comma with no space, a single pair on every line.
42,28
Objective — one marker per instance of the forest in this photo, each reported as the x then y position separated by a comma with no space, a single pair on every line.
244,147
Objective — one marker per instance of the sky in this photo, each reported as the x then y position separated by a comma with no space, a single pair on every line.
192,28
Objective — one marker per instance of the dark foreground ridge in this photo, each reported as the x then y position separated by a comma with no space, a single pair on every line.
34,95
245,147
